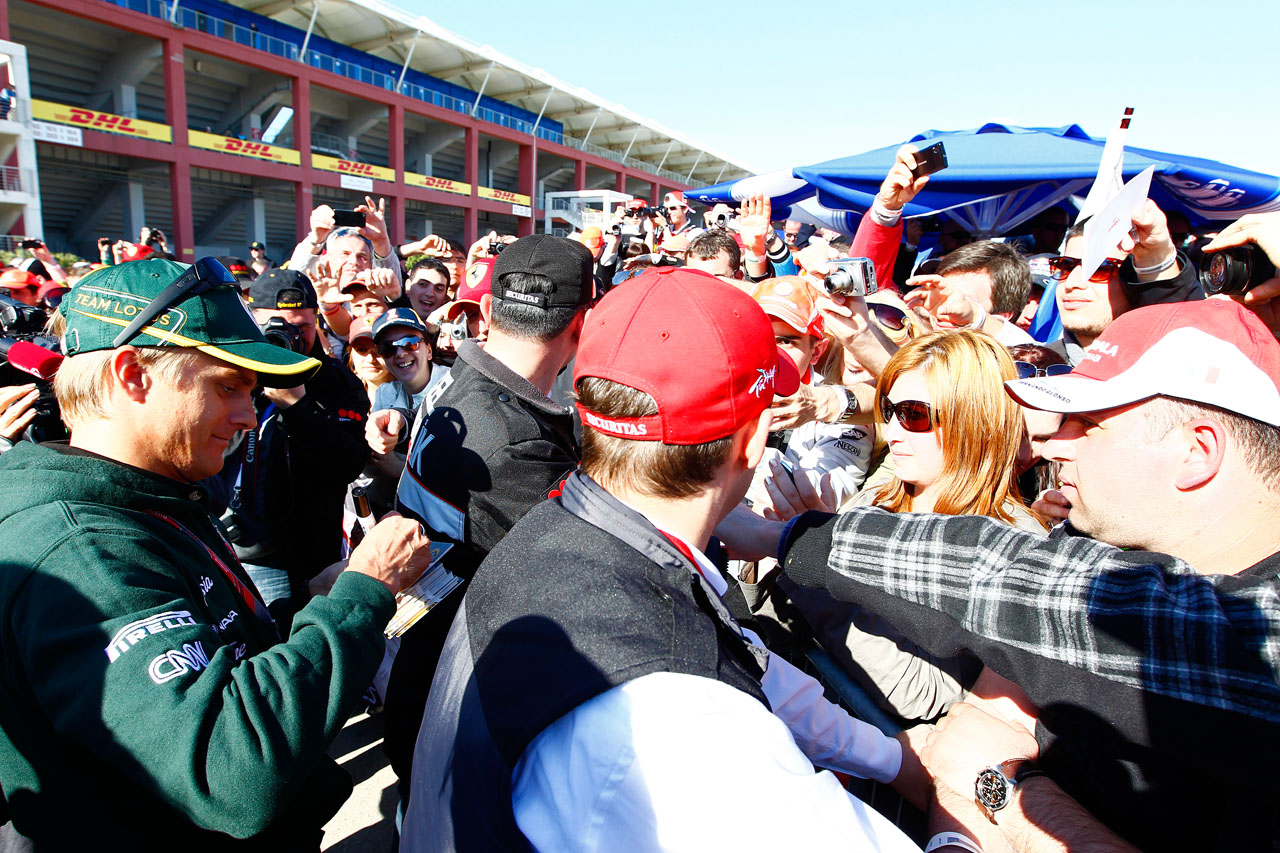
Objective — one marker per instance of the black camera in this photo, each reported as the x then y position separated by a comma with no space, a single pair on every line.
22,324
496,247
282,333
1236,269
616,229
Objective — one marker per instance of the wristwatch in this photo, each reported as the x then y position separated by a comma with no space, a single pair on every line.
850,405
993,789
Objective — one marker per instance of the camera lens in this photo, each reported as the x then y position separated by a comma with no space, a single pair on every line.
1236,269
840,281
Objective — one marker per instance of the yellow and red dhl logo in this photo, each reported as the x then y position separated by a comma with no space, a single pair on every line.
433,183
503,195
104,121
350,167
243,147
355,168
94,120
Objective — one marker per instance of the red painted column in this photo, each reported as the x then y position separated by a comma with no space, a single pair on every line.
302,197
175,108
579,175
395,132
471,170
527,181
621,183
4,19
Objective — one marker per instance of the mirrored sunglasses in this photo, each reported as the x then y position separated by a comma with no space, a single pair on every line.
409,343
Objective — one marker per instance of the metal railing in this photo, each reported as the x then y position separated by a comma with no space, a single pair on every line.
205,23
12,179
334,146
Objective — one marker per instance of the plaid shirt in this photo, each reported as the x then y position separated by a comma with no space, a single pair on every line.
1137,619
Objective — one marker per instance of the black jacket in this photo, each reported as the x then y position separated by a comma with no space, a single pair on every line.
492,447
584,595
289,510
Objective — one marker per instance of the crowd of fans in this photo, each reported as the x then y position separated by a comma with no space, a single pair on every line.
933,497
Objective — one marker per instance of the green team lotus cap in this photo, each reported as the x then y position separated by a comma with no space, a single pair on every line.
209,317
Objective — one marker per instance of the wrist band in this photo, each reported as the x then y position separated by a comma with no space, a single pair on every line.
952,839
979,316
754,259
1157,268
332,309
883,215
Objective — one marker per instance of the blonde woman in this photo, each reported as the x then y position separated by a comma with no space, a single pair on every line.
363,358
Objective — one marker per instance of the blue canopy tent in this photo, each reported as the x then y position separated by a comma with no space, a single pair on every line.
999,176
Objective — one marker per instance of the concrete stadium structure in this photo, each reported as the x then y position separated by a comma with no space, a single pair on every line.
223,123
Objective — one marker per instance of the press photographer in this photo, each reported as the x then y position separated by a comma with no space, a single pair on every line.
28,361
283,483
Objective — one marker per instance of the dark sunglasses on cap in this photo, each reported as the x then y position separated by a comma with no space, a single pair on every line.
1027,370
204,274
891,317
674,207
409,342
1062,266
914,415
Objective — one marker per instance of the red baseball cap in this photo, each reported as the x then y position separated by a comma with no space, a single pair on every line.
701,348
361,327
137,252
15,279
674,197
791,299
478,282
1212,351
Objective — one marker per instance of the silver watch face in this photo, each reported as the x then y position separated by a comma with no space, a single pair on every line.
992,789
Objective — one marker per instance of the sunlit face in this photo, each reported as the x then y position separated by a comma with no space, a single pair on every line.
196,418
428,290
364,303
1102,456
1041,426
1088,307
720,266
412,368
917,456
340,250
975,284
800,347
366,363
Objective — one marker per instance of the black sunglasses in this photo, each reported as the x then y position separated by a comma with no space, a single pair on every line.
204,274
914,415
410,343
1062,266
1027,370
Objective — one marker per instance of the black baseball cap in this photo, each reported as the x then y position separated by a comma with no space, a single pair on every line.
568,264
282,289
257,244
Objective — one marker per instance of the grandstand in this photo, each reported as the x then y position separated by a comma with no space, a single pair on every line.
224,123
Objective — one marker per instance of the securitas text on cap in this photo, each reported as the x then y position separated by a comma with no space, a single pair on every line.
702,349
1213,351
569,266
214,321
282,290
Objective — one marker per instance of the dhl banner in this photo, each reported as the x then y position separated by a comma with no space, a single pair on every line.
243,147
348,167
94,120
503,195
413,179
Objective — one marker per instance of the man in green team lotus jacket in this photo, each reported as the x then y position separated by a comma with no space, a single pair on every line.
146,699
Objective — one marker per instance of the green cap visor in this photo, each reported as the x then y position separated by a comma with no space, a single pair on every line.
211,318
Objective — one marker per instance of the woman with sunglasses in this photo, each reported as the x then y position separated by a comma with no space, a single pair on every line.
953,436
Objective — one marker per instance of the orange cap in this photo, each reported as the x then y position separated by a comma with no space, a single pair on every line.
791,299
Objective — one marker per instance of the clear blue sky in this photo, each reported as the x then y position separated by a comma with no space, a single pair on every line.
775,85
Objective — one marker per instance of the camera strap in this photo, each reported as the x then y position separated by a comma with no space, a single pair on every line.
255,604
250,456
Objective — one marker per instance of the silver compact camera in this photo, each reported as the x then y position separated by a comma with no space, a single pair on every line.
851,277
